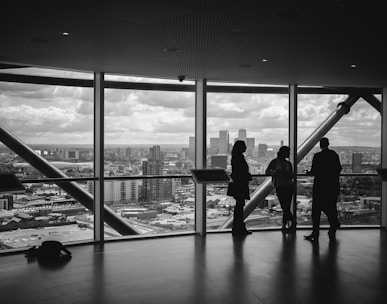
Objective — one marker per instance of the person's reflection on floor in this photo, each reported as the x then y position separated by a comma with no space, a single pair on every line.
239,272
325,282
286,274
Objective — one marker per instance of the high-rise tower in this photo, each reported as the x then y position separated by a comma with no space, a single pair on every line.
242,135
223,142
153,188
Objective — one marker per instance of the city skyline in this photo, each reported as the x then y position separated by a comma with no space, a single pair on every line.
43,114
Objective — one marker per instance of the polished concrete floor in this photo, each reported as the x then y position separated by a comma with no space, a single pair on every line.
264,267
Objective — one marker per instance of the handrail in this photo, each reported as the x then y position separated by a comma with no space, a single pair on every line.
136,177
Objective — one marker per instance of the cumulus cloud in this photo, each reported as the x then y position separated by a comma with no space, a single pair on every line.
58,114
28,123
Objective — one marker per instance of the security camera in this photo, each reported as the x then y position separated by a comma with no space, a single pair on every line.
181,77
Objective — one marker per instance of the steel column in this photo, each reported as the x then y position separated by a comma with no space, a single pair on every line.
384,157
293,106
99,102
200,153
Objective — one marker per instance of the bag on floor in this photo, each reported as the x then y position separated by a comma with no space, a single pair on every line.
50,252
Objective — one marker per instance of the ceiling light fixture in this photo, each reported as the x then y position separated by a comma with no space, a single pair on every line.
264,60
66,34
353,66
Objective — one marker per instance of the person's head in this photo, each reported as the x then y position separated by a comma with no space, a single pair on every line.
283,152
324,143
239,147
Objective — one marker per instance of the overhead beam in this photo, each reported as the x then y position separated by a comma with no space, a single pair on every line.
211,88
373,101
384,157
200,153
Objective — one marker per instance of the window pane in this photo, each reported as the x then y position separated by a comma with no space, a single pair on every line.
53,124
147,133
261,120
356,138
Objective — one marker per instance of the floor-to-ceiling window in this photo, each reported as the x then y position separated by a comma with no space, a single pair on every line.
47,132
149,147
356,137
259,119
149,132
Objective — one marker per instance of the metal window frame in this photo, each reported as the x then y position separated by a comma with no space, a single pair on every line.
201,88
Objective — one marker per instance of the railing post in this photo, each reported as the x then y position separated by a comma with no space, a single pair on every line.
200,153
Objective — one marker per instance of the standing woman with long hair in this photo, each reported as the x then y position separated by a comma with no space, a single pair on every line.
239,187
282,172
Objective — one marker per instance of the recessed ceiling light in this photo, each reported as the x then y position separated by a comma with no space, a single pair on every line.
264,60
66,34
353,66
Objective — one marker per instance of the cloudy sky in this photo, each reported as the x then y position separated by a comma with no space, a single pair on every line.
40,114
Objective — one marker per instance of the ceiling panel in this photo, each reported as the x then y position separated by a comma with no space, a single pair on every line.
304,42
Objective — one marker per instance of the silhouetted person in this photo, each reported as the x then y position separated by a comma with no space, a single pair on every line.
282,172
326,170
239,188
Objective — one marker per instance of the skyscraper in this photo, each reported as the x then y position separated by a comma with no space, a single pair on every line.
356,162
242,135
262,150
214,145
223,142
118,191
128,154
153,188
250,144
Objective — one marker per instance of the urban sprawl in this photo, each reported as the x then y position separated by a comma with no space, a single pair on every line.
165,205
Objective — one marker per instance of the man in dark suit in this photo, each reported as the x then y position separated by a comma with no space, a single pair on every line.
326,170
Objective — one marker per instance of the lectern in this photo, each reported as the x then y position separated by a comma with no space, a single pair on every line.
210,176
